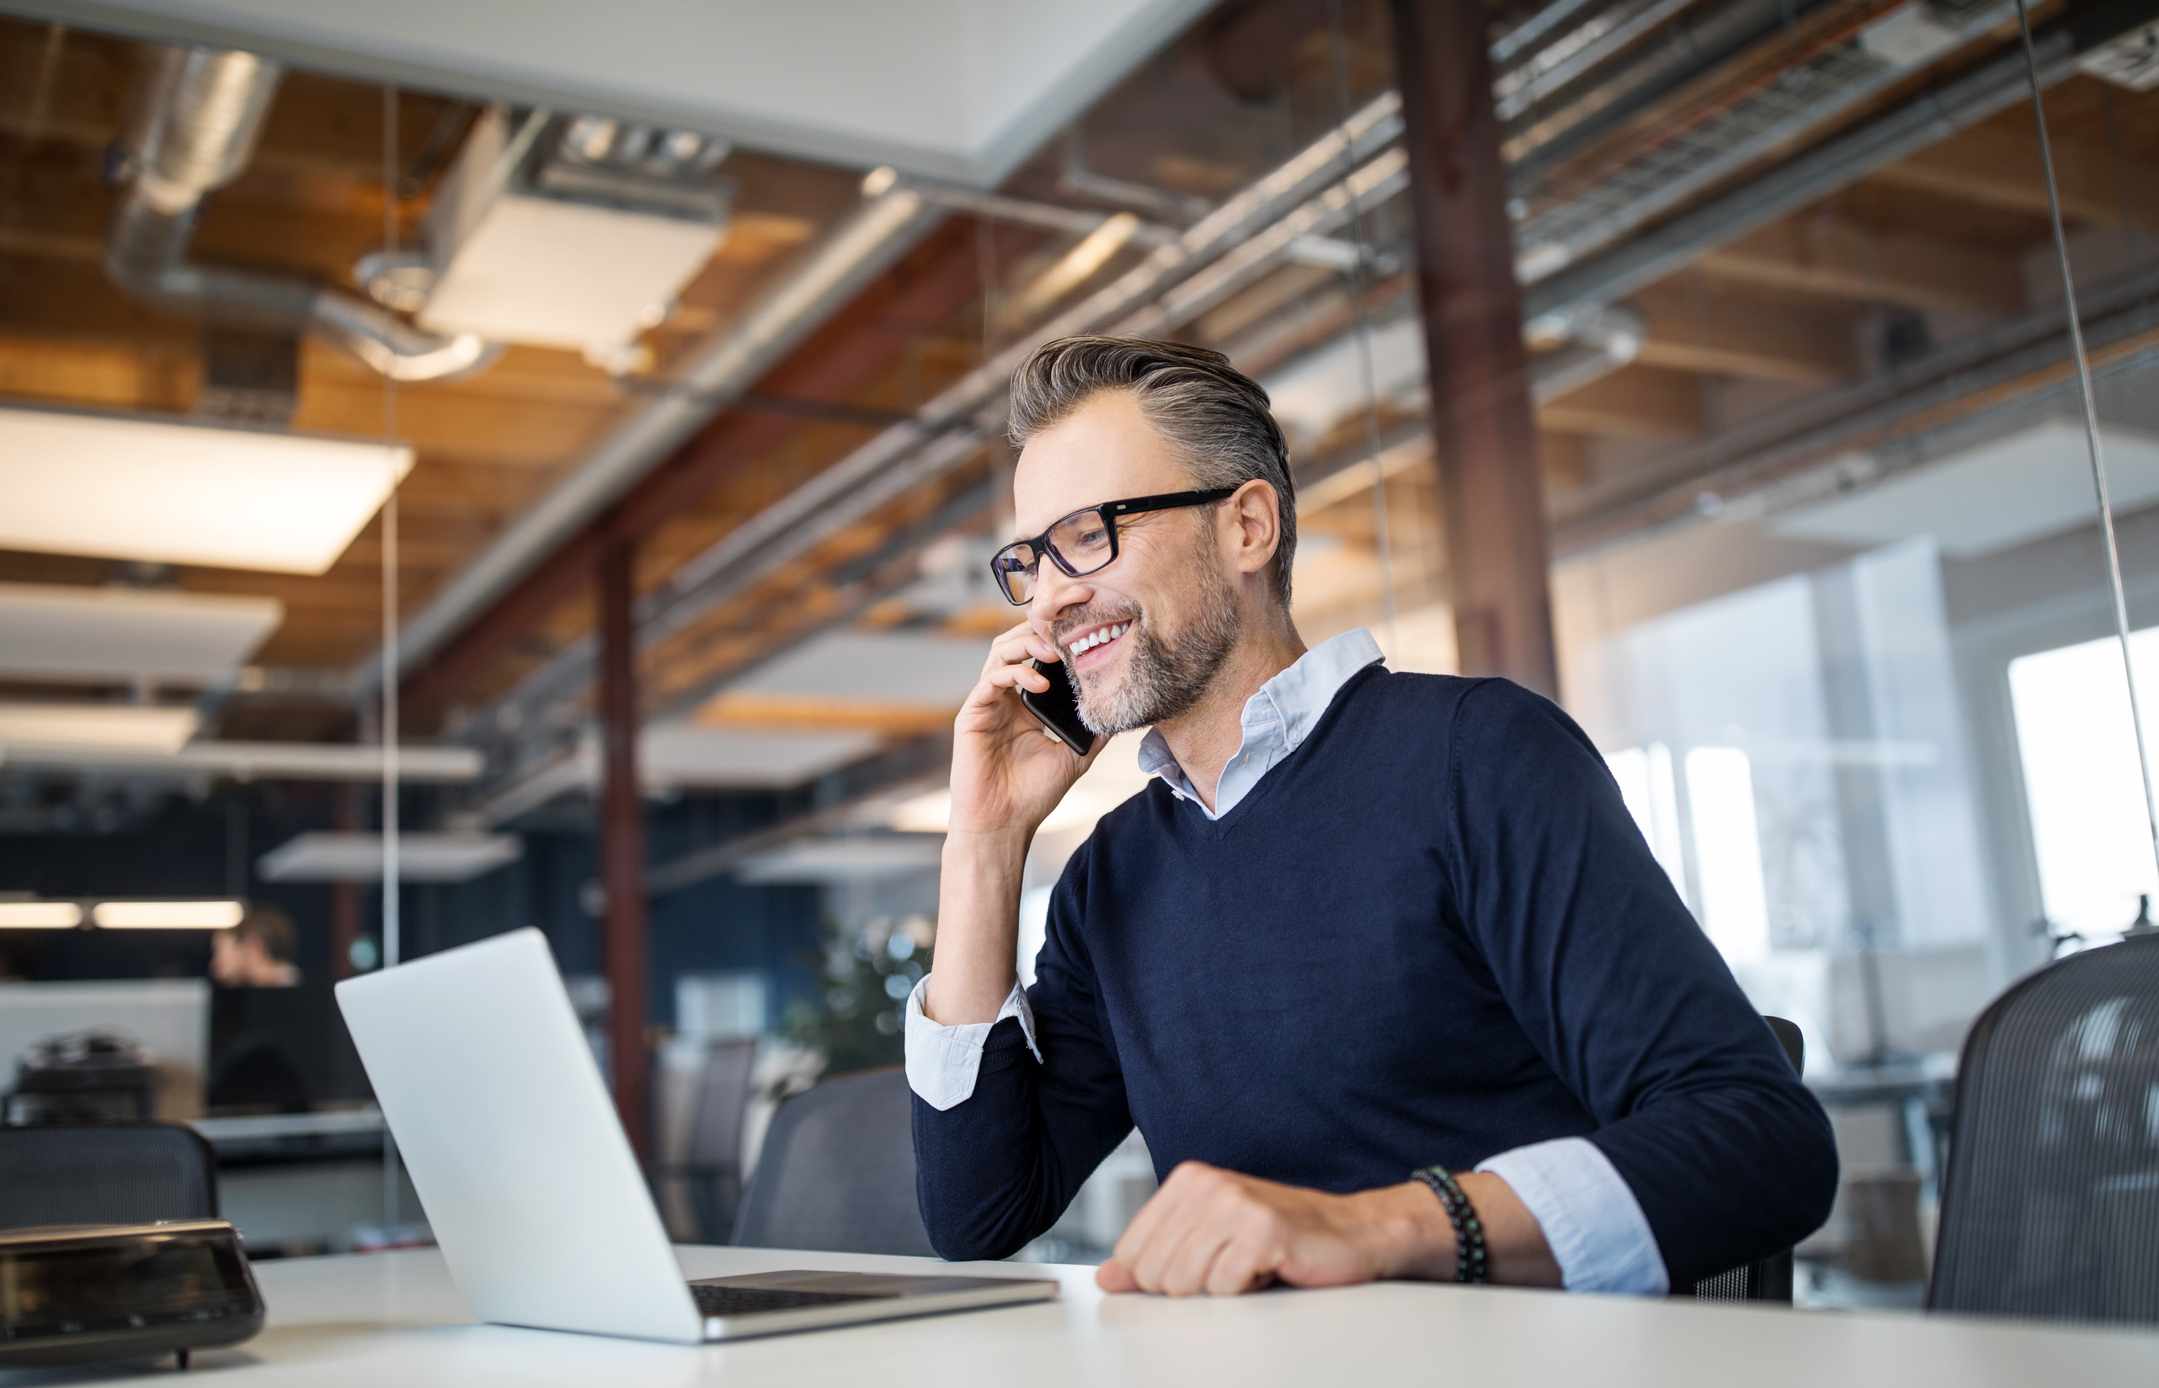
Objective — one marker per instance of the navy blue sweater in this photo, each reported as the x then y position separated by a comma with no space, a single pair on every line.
1432,934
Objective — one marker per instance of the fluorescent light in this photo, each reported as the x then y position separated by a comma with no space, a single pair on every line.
84,632
269,761
421,857
177,492
167,915
39,915
117,727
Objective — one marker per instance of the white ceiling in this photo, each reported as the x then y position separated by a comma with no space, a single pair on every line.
2021,486
960,89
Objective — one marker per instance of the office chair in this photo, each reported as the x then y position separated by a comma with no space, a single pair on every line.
712,1165
1766,1279
2050,1203
104,1173
838,1171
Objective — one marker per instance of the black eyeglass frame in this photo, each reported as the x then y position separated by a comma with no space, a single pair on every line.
1110,511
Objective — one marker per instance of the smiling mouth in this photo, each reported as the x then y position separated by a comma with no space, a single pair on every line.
1097,646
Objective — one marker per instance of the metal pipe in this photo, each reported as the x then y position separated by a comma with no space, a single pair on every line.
1904,130
1718,476
1521,88
1323,251
1800,101
201,120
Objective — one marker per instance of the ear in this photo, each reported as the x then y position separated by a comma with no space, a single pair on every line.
1252,526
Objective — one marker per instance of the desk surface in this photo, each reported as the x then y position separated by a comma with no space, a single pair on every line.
395,1318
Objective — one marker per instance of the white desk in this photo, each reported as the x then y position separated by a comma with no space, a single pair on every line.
395,1319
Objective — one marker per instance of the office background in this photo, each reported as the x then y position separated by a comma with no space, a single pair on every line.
631,465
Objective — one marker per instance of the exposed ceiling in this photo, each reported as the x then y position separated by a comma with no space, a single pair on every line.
862,640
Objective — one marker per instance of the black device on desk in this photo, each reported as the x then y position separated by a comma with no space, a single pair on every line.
82,1077
81,1293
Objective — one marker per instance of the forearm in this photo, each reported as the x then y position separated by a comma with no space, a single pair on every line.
975,960
1416,1240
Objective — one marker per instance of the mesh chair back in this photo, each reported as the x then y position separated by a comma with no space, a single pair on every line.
714,1160
1769,1279
838,1172
2050,1203
104,1173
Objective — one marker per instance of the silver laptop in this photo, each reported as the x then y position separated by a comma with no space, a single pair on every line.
532,1190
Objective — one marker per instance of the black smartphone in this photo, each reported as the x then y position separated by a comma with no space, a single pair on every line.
1058,710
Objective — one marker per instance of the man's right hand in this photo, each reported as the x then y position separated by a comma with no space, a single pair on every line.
1008,771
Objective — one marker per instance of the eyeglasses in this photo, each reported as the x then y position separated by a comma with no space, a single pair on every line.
1082,542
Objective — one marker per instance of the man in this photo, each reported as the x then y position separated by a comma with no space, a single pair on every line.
1363,925
256,953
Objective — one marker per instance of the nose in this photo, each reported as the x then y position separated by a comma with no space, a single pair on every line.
1054,595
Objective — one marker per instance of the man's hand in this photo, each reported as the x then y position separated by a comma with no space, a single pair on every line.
1214,1231
1008,771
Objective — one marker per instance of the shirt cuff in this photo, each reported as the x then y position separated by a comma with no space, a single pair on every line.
942,1061
1598,1233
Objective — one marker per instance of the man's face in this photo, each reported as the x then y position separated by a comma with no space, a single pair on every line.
231,959
1166,586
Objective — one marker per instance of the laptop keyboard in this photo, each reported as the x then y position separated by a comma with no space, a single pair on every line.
743,1301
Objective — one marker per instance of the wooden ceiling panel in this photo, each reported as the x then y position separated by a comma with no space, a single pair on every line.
1839,259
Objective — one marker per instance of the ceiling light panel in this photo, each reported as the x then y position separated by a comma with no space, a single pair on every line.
56,631
174,492
119,727
167,915
421,857
39,915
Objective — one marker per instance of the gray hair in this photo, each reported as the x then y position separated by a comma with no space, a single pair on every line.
1214,415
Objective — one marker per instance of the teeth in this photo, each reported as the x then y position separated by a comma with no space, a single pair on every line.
1098,638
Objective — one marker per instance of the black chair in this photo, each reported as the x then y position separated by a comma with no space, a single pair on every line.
711,1169
1766,1279
2050,1203
104,1173
838,1171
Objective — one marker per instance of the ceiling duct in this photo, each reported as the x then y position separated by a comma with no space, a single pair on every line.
200,120
571,231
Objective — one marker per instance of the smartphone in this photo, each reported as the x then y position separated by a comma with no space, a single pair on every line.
1058,710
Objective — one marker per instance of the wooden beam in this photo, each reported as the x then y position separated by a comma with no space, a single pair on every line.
1484,435
2000,168
1636,402
622,844
1567,466
1833,257
1721,332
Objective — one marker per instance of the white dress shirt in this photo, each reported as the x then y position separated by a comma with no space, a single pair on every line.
1598,1234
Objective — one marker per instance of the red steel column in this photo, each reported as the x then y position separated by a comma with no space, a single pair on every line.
622,841
1484,430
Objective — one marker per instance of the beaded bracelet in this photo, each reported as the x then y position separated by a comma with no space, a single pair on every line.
1469,1254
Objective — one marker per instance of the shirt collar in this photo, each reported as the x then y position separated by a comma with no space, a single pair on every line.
1286,706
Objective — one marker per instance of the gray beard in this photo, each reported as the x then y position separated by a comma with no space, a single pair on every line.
1165,680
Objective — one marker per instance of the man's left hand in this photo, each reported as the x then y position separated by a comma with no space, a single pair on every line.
1214,1231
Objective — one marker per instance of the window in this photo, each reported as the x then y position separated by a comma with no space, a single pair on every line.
2090,835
